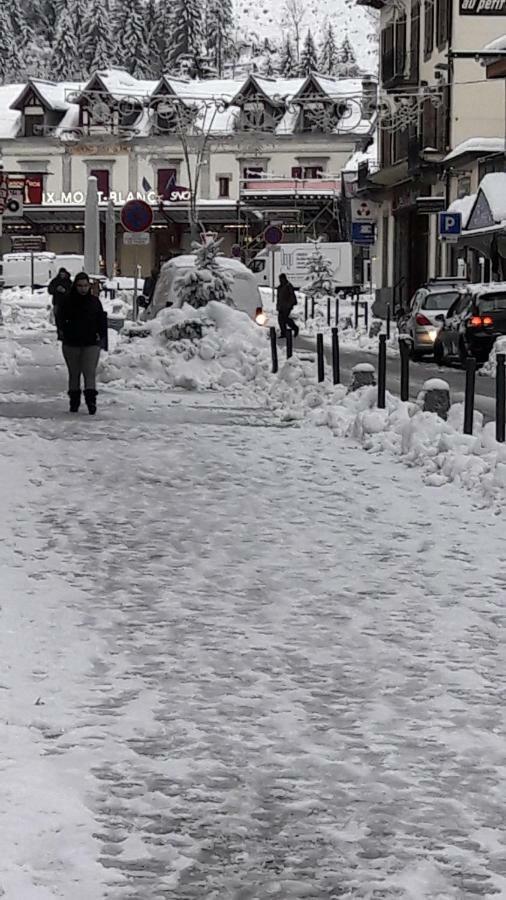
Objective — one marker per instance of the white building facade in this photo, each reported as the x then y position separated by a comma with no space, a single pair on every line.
233,155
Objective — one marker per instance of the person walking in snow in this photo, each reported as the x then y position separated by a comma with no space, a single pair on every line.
150,283
82,329
286,301
59,288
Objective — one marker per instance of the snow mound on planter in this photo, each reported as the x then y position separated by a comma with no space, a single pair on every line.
11,354
210,348
490,367
24,310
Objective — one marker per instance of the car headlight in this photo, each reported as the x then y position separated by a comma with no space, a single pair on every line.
433,334
261,318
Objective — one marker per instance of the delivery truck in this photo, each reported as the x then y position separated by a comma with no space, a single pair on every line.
17,267
293,260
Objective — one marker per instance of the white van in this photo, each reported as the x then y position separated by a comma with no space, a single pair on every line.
293,260
17,267
245,293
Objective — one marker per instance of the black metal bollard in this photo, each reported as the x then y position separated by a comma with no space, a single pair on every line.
328,311
469,399
289,343
313,304
336,369
274,349
404,350
382,370
356,315
337,311
305,308
320,358
365,307
389,317
500,399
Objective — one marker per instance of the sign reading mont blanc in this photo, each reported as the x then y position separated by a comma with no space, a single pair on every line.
482,7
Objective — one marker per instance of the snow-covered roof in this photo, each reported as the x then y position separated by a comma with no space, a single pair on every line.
498,44
479,145
464,206
9,118
370,155
493,186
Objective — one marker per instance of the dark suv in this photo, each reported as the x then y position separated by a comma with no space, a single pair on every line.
472,324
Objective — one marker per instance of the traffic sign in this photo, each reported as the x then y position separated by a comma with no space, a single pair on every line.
362,211
273,234
136,216
450,226
135,237
363,233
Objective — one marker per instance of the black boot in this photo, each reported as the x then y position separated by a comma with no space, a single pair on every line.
91,401
75,401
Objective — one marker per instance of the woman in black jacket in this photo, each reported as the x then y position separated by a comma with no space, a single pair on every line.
82,329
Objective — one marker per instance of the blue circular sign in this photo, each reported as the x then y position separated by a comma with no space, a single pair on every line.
273,234
137,216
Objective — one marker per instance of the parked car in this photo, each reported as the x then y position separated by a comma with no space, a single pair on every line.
244,292
472,324
423,319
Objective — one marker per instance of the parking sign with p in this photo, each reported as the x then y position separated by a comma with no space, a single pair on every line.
450,226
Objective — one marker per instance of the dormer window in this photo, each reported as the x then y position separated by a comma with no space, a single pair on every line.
33,121
42,108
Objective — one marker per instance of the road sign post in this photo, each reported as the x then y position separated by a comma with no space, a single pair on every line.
273,235
136,218
449,226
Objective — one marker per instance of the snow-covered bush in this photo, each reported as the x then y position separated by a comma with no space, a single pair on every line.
207,281
320,278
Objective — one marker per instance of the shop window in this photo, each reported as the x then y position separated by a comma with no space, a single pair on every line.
165,181
102,176
224,186
307,171
34,188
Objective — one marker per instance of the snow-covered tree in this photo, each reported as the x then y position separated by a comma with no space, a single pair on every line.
293,17
11,65
320,274
97,37
328,52
218,32
66,59
308,58
208,280
134,52
19,21
186,40
152,39
287,62
347,66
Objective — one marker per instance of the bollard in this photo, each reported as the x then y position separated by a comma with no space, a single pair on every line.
404,350
328,311
274,349
336,368
337,312
356,315
319,357
289,343
382,370
469,398
313,303
389,317
365,307
437,397
305,308
500,399
362,375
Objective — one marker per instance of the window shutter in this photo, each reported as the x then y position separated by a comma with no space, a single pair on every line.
296,171
102,176
164,177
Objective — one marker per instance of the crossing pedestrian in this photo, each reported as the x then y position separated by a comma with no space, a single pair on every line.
82,329
286,300
59,288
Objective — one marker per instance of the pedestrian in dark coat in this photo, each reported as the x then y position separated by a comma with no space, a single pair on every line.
60,287
286,301
82,329
150,283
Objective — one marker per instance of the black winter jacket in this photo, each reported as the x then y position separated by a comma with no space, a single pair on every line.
81,321
286,298
59,288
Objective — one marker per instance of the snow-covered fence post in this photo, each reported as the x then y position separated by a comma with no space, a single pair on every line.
469,397
274,349
436,397
362,375
305,308
289,343
365,307
313,304
337,311
382,370
336,373
356,315
328,311
319,358
500,399
405,341
389,318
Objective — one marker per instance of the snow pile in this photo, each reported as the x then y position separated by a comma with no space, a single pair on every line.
24,310
197,349
349,336
490,367
11,354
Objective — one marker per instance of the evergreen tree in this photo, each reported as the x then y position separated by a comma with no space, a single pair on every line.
308,57
164,36
218,32
97,37
19,21
320,274
347,66
11,65
135,55
328,52
187,36
208,280
152,39
287,63
66,60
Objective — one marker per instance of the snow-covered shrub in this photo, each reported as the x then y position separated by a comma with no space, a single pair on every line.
320,277
207,281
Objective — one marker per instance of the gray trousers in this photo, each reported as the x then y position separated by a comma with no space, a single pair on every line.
81,360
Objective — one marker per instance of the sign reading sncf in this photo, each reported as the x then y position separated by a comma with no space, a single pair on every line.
178,194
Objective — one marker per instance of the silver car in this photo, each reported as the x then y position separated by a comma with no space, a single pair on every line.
423,320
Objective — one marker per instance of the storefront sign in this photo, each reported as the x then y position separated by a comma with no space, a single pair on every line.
482,7
27,243
131,238
78,198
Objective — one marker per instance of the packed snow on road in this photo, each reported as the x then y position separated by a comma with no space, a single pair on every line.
252,629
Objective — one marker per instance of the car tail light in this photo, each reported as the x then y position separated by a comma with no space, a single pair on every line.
422,320
475,321
488,320
260,316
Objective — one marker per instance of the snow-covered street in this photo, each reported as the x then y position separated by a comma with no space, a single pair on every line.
240,659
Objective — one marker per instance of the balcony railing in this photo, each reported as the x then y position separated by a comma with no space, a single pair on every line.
290,185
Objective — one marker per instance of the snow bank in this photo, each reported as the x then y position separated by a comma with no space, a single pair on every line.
11,354
24,310
490,367
210,348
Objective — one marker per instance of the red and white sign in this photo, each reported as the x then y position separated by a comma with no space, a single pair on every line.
11,194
